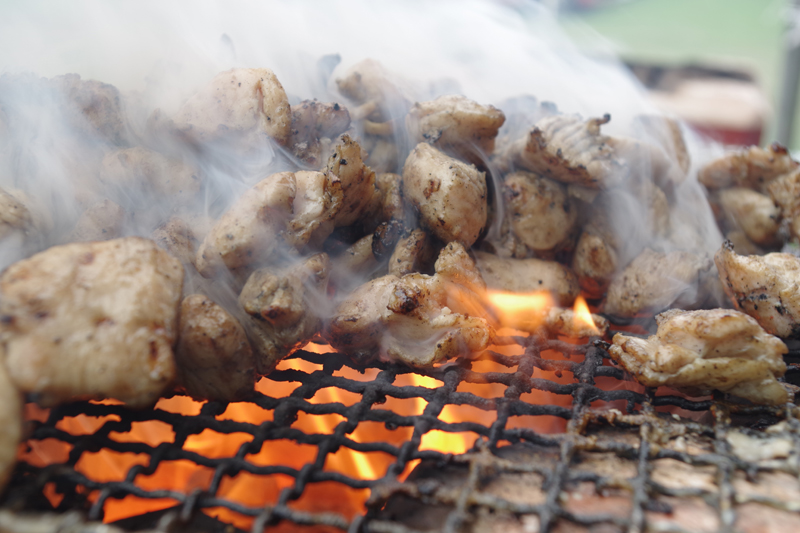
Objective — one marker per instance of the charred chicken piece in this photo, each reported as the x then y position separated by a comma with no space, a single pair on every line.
666,132
178,238
540,214
528,275
249,231
568,149
785,192
594,263
764,287
11,422
213,357
752,167
449,194
701,351
357,180
102,221
314,124
654,281
244,106
754,213
455,124
16,217
371,86
387,202
94,108
416,318
413,253
92,320
141,169
285,310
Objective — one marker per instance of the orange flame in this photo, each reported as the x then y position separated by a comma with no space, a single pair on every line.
583,316
523,311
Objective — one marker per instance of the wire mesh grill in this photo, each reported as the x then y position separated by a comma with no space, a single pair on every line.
594,397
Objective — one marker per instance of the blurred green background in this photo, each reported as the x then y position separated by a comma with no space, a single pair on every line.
747,34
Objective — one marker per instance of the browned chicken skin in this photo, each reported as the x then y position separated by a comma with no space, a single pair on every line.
752,167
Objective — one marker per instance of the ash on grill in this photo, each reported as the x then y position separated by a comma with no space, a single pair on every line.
627,462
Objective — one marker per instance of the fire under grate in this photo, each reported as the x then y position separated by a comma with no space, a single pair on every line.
606,417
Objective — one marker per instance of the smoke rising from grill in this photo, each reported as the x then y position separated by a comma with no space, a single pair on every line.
158,55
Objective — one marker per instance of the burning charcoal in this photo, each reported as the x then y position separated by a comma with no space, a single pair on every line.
416,319
141,169
249,231
528,275
449,194
764,287
312,122
413,253
701,351
753,212
93,107
92,320
785,192
102,221
654,281
285,309
752,167
178,238
214,359
11,422
455,124
568,149
244,107
540,214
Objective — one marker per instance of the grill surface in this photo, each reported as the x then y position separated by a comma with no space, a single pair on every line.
597,387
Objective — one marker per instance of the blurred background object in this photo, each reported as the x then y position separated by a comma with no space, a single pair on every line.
728,67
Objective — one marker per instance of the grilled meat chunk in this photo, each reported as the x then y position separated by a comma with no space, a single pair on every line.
102,221
357,180
11,422
16,217
540,214
568,149
249,231
314,124
654,281
764,287
178,238
754,213
701,351
416,318
243,106
141,169
666,132
785,192
455,124
93,108
752,167
369,84
528,275
92,320
285,310
214,359
594,263
413,253
449,194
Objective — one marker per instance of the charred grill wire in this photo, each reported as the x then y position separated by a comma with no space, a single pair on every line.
556,455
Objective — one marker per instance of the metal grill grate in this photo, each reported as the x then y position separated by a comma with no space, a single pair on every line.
588,409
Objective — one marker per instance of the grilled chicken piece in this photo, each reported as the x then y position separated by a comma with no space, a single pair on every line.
568,149
754,213
102,221
785,192
701,351
11,422
244,107
764,287
455,124
317,199
312,124
528,275
449,194
285,309
369,84
540,214
666,132
387,202
141,169
249,231
416,318
357,181
214,359
654,281
594,262
413,253
752,167
93,108
357,260
16,217
92,320
178,238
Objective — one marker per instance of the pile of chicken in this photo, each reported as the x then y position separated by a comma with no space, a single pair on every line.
381,238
